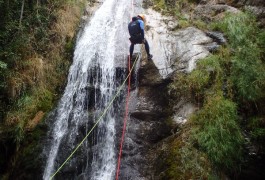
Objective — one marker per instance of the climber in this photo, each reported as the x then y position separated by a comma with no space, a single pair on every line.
136,31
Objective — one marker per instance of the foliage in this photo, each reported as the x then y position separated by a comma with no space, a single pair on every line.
261,44
3,67
34,59
32,55
18,134
197,83
183,23
227,84
180,160
28,157
199,24
40,99
247,71
172,7
217,132
256,127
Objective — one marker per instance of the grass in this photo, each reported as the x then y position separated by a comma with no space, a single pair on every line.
37,79
38,62
247,68
176,9
196,84
227,85
180,160
256,128
218,134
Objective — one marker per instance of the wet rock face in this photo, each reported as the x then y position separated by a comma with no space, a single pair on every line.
147,124
190,48
174,50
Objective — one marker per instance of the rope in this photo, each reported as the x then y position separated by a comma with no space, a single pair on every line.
125,122
126,109
102,115
104,112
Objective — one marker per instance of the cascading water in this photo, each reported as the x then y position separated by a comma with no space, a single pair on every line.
92,82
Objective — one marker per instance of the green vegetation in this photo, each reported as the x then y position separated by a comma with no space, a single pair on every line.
35,54
182,161
197,84
229,88
256,128
178,9
248,70
217,132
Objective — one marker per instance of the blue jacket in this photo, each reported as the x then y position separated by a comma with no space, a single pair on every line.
136,28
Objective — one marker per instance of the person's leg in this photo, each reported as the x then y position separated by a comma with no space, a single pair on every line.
146,45
149,56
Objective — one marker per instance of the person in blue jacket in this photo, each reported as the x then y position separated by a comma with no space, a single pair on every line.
136,31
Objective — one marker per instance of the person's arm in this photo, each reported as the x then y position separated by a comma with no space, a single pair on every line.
142,29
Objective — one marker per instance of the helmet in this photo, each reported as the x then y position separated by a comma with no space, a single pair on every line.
142,16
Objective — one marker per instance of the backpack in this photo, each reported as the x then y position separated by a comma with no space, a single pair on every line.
134,28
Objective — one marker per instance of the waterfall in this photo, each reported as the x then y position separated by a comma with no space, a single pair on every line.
93,80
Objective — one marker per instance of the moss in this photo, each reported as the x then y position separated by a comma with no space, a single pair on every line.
180,160
200,24
160,5
184,23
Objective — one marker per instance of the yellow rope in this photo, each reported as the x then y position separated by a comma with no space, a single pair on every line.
104,112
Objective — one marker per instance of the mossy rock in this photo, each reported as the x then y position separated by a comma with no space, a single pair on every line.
178,159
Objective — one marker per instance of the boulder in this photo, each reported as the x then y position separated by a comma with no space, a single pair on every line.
210,12
174,50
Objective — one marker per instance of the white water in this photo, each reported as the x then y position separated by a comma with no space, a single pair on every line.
103,41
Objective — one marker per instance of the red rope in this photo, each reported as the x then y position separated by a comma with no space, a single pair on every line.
126,112
125,120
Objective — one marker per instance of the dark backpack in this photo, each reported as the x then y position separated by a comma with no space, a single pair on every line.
134,28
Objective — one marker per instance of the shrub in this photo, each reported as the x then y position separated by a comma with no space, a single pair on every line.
217,132
18,134
261,44
178,159
198,82
256,127
247,70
